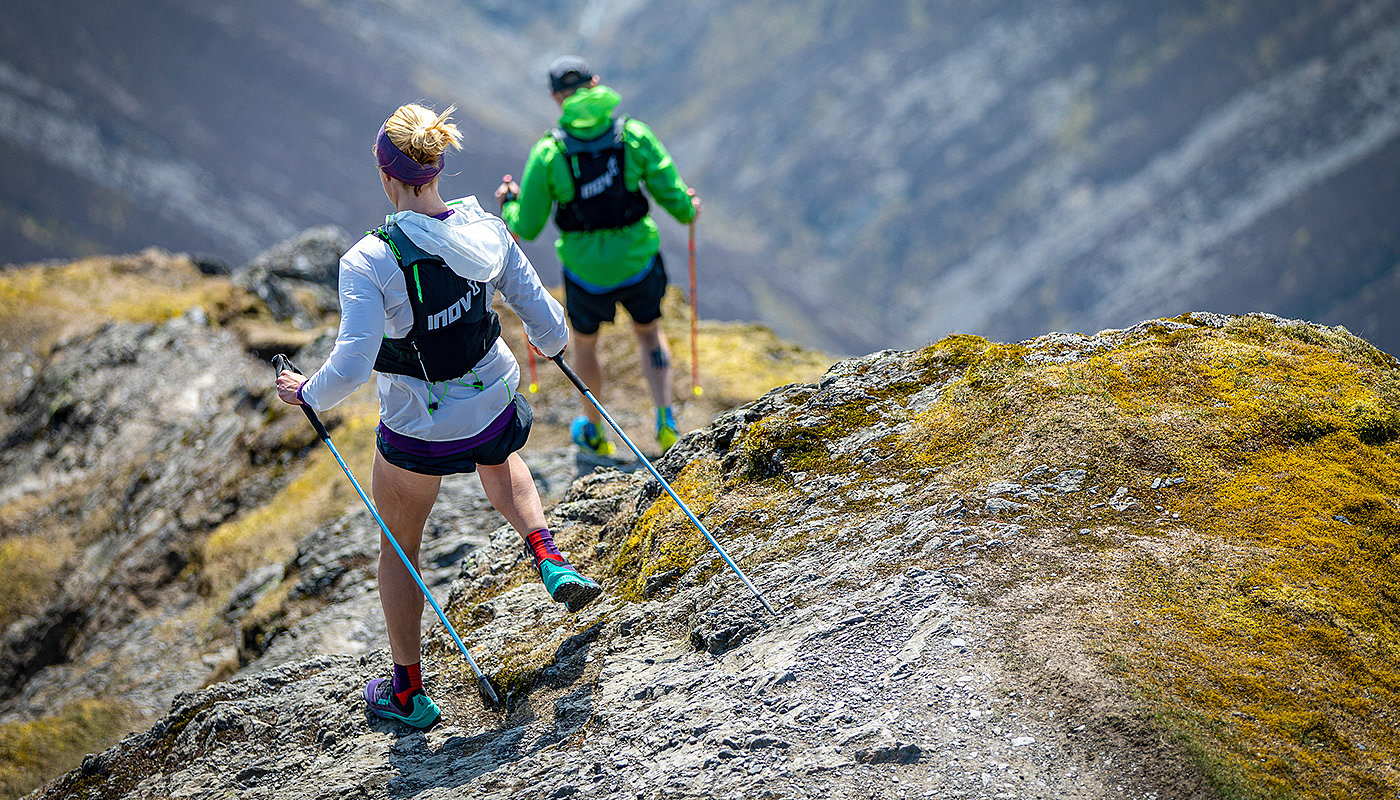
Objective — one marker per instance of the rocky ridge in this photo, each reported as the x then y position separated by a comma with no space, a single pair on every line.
154,492
891,689
947,628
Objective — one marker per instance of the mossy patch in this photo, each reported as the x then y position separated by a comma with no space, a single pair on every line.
40,305
1273,660
34,753
522,661
31,568
664,538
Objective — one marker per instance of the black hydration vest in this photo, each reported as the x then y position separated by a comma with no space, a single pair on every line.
453,324
601,200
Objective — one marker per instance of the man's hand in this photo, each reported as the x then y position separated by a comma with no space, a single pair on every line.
694,201
508,190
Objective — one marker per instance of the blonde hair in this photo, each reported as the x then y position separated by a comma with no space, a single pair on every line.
422,134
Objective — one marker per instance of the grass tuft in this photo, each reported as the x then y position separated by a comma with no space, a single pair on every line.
36,752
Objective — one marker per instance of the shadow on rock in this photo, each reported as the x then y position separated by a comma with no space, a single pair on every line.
462,759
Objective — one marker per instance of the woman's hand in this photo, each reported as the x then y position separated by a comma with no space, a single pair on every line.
694,201
288,383
540,352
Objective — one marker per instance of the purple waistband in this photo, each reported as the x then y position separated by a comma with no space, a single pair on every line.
426,449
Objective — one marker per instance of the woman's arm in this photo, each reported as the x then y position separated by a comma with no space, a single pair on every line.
520,285
362,316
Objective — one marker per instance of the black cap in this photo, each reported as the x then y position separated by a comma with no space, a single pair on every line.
567,72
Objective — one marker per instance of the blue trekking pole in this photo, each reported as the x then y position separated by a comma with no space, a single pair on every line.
281,362
583,388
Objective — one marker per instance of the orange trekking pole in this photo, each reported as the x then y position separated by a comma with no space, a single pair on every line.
694,350
534,377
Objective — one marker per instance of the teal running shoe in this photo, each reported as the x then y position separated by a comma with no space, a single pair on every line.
421,712
587,436
565,584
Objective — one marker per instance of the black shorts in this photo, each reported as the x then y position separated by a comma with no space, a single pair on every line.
489,453
587,311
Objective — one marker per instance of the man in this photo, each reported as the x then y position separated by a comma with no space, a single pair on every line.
593,168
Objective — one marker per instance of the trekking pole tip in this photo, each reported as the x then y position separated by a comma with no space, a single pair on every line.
489,698
698,391
534,388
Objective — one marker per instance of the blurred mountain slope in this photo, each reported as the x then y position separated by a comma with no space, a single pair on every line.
195,127
1010,167
874,174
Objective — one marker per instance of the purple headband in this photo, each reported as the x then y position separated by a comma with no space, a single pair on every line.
399,166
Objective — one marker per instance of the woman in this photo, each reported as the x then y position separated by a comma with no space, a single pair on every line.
415,300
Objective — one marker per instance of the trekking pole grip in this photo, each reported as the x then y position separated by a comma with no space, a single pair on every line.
280,363
569,372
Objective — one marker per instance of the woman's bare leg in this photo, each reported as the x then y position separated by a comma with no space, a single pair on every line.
511,489
403,499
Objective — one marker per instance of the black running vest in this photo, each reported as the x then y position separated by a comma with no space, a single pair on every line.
601,200
453,324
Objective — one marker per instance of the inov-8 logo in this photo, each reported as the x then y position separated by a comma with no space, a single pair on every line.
449,315
600,184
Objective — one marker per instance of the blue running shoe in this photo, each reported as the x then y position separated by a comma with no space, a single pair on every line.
421,712
587,436
666,434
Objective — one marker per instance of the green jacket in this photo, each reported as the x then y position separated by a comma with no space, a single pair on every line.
598,258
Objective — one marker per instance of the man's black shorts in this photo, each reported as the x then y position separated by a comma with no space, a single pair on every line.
489,453
642,300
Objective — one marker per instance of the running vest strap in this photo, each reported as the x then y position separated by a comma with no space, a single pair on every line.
453,324
601,199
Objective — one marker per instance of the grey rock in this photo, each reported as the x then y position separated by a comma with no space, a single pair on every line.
1066,482
899,753
1121,500
307,264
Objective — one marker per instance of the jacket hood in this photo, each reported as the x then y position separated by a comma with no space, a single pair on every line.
588,111
473,243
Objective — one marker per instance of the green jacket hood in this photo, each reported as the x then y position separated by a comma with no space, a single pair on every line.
588,111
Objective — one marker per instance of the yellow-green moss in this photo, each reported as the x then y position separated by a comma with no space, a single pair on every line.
521,663
800,441
41,304
664,538
979,410
34,753
30,570
1272,658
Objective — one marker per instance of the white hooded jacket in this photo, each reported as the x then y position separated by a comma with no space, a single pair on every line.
374,304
